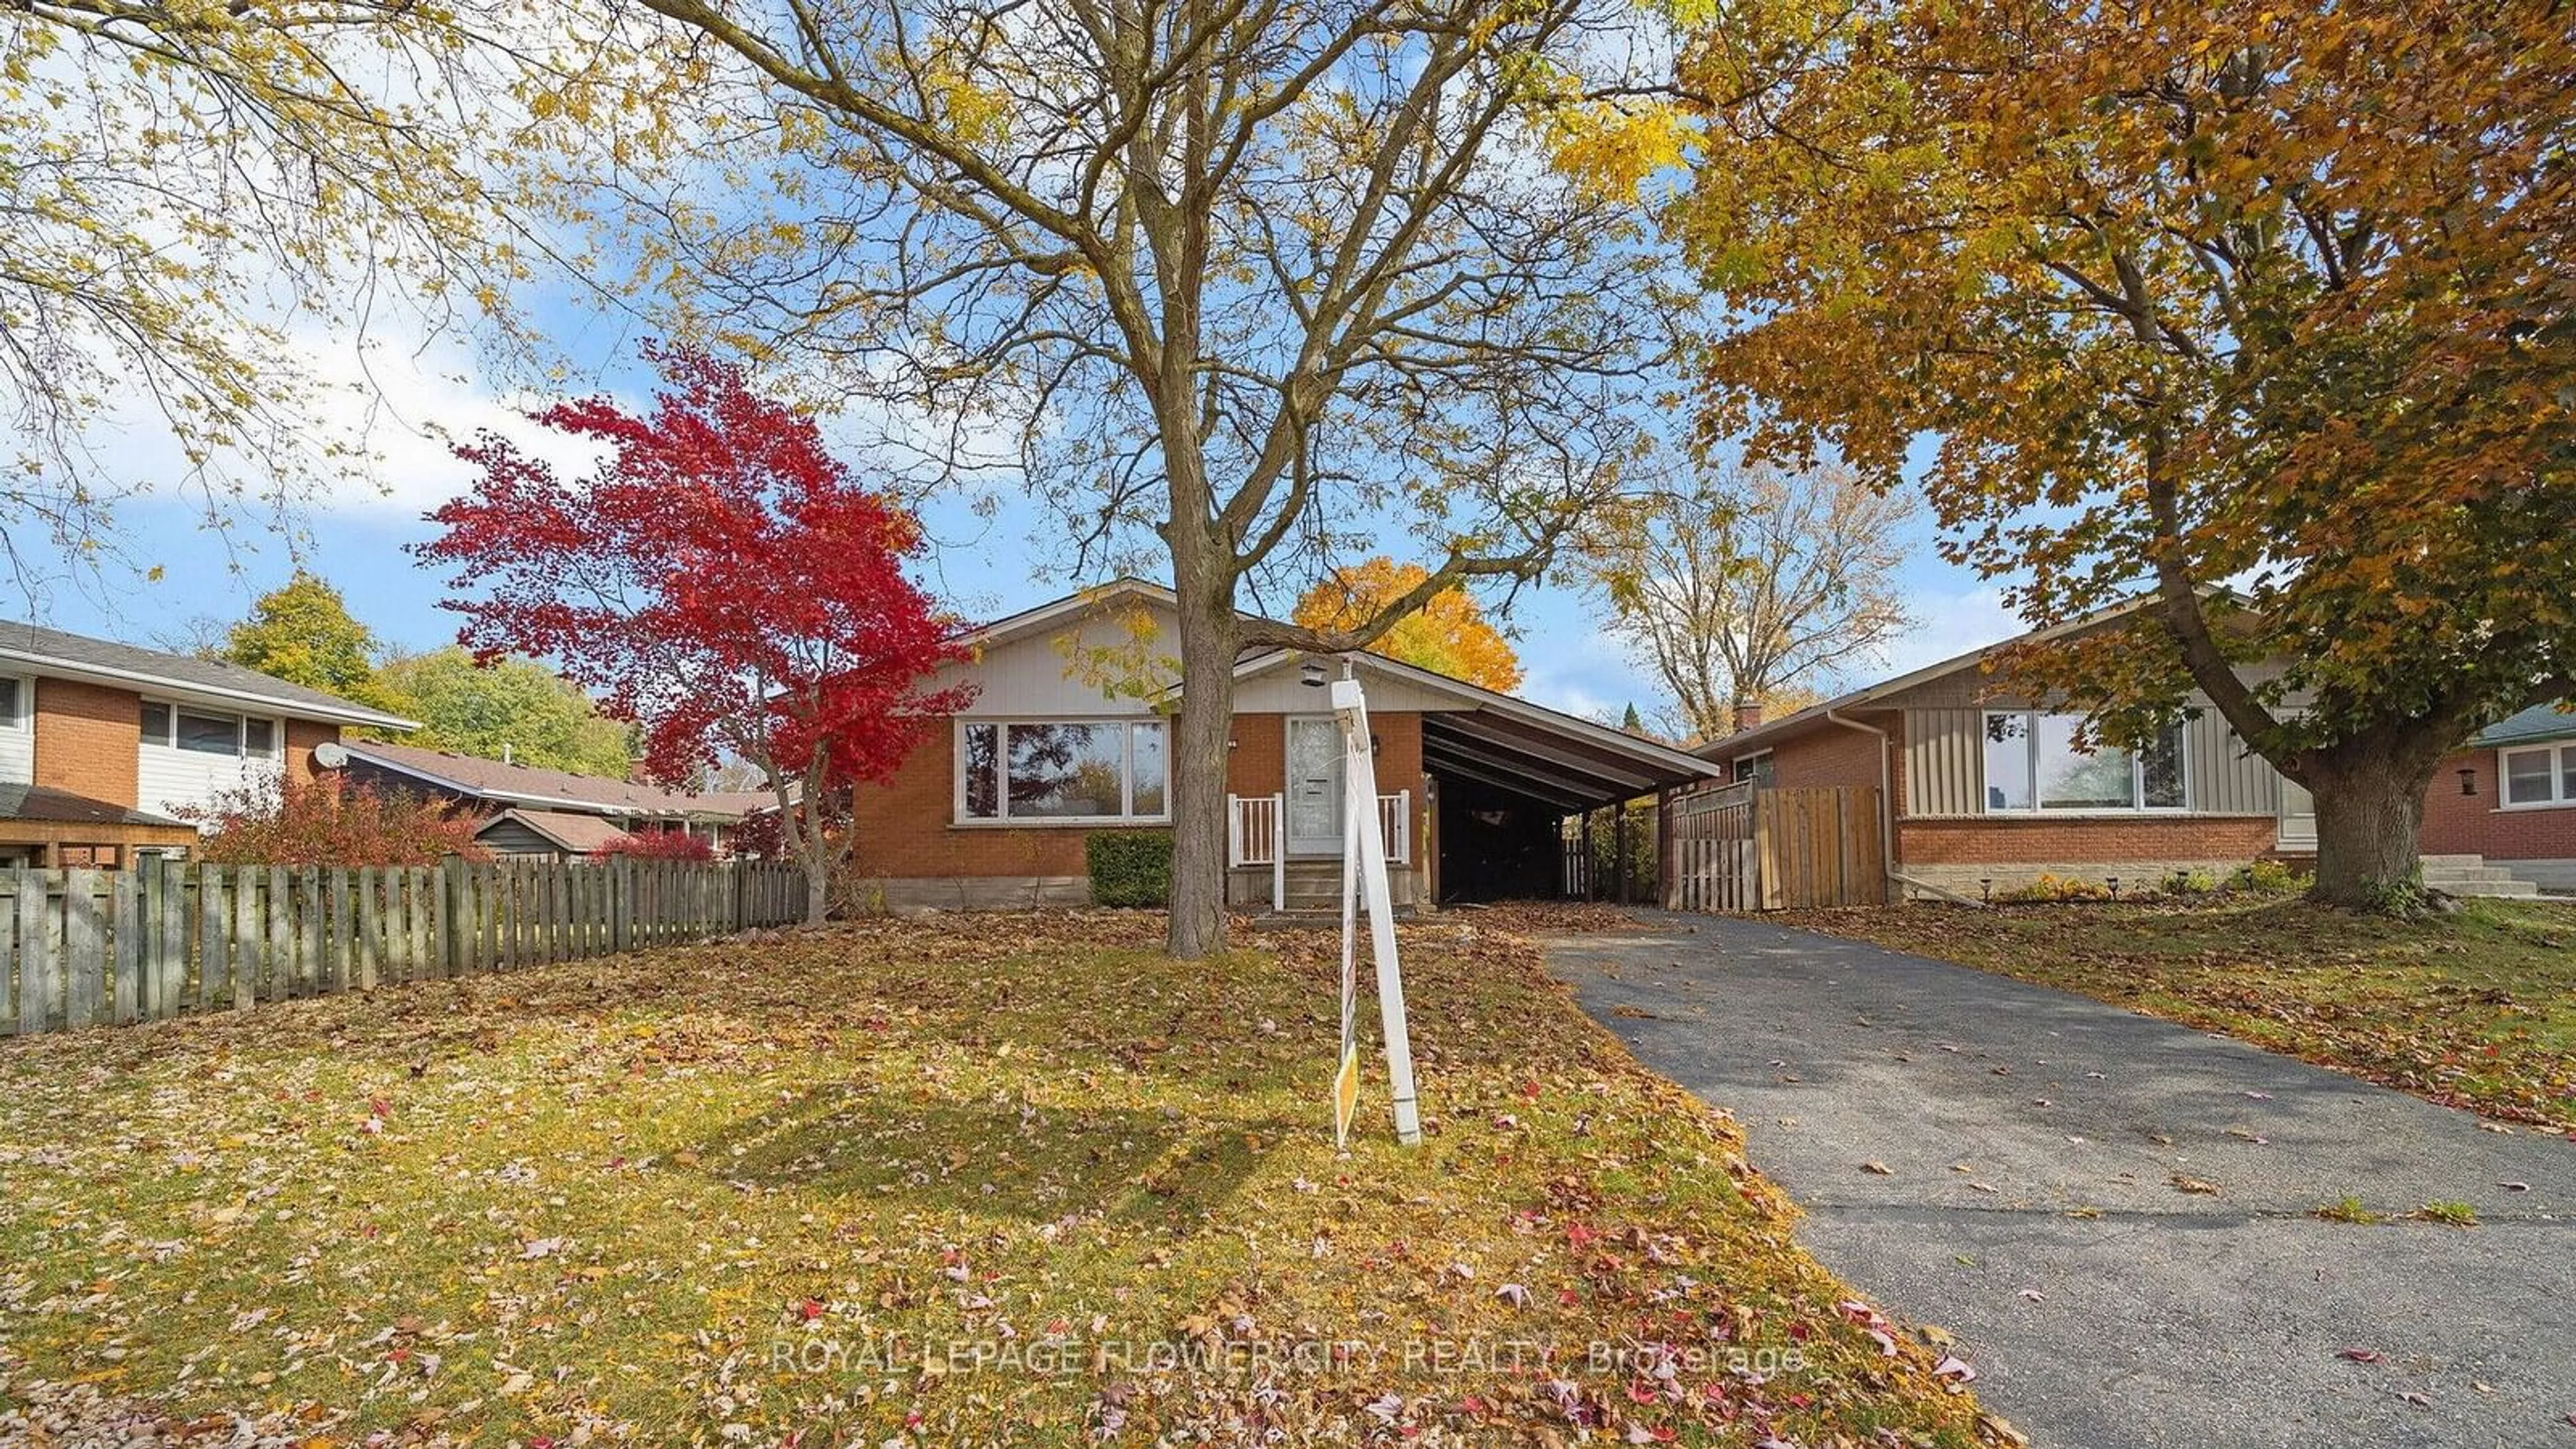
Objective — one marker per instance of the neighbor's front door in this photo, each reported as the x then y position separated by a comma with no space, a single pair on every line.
1314,786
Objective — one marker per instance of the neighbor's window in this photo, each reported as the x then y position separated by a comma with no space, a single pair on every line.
259,738
13,694
2543,776
210,734
2032,763
1062,770
156,723
1756,768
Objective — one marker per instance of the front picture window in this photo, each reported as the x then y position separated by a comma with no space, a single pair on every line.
2032,763
1059,771
1067,770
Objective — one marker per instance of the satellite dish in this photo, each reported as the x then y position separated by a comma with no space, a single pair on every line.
330,754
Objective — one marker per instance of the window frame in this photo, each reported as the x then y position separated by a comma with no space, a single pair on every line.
2037,809
1001,818
168,739
2561,755
21,714
1752,768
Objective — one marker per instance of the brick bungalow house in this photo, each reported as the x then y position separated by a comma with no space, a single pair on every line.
1985,789
1067,734
547,814
101,742
2504,807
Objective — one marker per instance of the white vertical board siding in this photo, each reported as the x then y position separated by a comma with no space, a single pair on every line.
1053,674
168,779
1944,761
2226,777
18,738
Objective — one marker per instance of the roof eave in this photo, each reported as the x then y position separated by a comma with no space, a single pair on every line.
338,713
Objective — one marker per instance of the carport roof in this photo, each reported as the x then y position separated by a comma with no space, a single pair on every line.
1512,744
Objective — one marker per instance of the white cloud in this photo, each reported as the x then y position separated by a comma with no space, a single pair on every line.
1949,624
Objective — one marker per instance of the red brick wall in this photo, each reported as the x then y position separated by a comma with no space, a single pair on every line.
906,831
88,739
1832,754
301,736
2457,824
2042,841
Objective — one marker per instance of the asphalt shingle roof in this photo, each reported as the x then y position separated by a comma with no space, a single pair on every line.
20,801
495,779
78,651
2540,722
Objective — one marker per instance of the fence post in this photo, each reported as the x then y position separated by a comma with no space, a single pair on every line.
84,967
170,942
125,930
246,937
35,990
281,936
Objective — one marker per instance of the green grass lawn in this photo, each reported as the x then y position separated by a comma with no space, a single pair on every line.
999,1178
2476,1009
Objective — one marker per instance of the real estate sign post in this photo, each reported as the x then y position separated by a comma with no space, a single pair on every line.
1364,875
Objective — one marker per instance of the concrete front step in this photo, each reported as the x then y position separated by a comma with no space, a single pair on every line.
2517,890
2470,875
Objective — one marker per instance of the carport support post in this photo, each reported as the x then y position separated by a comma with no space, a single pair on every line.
1583,854
1619,852
1664,849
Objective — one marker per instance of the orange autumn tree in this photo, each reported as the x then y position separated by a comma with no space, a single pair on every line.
1449,635
2261,311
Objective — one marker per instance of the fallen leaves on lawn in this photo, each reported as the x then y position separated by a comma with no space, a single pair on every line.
852,1184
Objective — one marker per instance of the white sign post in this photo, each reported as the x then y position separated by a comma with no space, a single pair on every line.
1364,884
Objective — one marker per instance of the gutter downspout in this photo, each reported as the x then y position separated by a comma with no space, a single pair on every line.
1886,798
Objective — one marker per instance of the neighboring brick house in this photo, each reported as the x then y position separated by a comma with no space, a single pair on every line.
103,745
553,814
2510,799
1068,734
1986,790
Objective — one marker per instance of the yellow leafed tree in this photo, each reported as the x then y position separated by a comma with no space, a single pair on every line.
1450,635
196,196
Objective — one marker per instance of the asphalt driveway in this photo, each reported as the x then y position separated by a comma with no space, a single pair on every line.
2112,1213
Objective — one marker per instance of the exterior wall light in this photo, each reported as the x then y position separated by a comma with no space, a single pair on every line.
2468,782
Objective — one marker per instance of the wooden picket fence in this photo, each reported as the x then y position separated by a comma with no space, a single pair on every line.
1742,848
89,947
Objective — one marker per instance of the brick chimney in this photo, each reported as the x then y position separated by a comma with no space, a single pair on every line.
1748,714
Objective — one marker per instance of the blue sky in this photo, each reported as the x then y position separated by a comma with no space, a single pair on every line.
980,565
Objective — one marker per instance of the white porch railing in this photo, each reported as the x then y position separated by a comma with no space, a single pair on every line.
1256,833
1395,826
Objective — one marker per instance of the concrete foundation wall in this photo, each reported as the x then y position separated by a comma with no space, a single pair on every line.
1968,880
2549,875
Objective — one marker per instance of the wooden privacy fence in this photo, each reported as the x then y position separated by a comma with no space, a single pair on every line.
84,947
1744,848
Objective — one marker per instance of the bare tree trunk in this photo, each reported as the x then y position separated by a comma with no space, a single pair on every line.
2370,814
1208,644
818,879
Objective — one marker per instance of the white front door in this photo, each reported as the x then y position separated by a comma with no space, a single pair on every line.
1314,787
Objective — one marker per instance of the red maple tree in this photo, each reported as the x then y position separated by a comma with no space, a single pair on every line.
721,580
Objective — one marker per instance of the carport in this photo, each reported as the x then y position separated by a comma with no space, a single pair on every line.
1517,784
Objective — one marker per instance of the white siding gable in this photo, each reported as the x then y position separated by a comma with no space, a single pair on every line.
1076,670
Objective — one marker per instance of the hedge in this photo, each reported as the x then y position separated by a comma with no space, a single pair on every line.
1130,867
